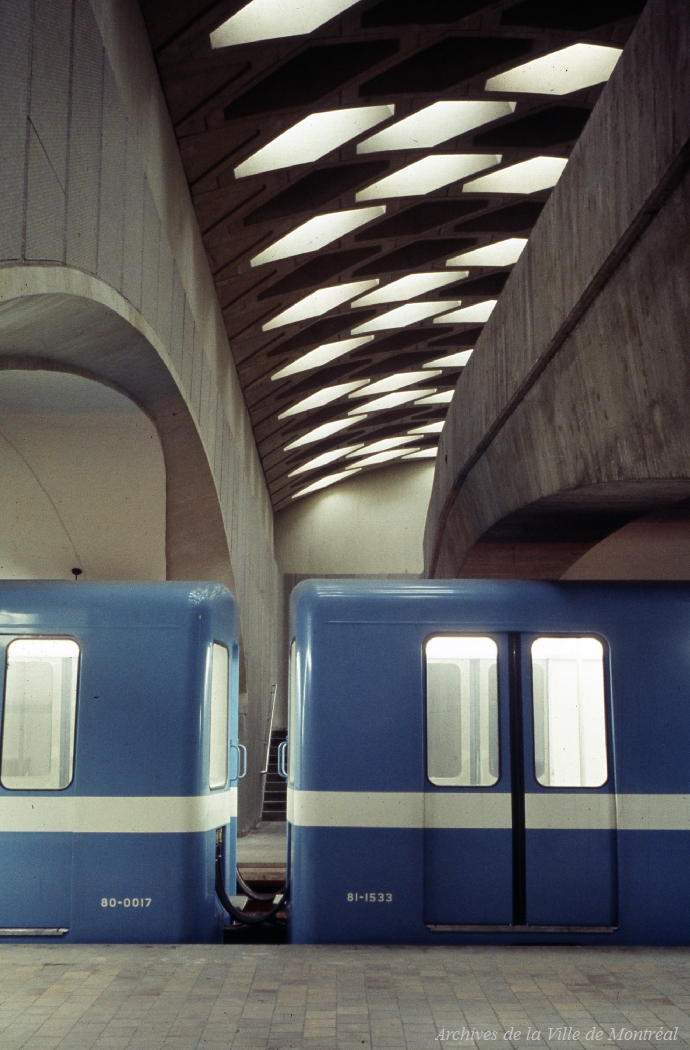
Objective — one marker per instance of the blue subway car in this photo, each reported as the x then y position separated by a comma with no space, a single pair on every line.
118,759
489,762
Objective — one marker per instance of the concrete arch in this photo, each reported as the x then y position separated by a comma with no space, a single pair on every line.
66,320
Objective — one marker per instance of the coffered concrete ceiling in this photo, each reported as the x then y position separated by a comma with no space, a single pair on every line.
381,391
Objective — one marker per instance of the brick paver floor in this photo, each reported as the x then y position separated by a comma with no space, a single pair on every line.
276,997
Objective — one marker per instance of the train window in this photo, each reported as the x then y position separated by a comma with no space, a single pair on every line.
39,712
462,711
569,712
218,733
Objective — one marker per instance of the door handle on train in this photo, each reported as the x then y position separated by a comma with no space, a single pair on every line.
282,759
241,752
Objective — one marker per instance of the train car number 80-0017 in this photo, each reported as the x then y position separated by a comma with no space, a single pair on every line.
126,902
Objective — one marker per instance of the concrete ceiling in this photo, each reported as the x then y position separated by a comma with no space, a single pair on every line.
227,103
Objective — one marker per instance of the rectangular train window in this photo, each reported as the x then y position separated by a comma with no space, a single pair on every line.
462,711
218,731
569,712
39,713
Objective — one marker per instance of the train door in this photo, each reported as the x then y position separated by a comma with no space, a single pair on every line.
39,698
519,807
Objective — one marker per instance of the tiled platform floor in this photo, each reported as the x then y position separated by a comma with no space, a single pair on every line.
264,845
201,997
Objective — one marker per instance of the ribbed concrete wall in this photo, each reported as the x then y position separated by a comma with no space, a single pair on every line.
95,205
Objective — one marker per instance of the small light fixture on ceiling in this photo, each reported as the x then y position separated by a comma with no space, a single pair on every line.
451,360
409,287
381,457
476,312
382,404
319,302
322,355
326,430
443,397
502,253
382,446
322,397
410,313
423,453
394,382
428,428
270,19
428,174
324,459
561,72
529,176
317,232
312,138
325,482
434,124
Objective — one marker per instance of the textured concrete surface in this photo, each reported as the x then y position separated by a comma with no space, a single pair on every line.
275,997
580,378
265,844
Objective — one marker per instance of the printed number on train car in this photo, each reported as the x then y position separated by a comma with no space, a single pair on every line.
378,898
126,902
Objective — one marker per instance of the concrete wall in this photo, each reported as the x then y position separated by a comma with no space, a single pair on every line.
578,388
103,274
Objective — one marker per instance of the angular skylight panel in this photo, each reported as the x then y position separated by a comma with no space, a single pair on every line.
428,428
428,174
319,302
570,69
317,232
324,459
529,176
409,287
319,433
444,397
451,360
436,123
380,404
321,355
410,313
314,137
477,312
325,482
423,453
395,382
502,253
322,397
381,457
382,446
269,19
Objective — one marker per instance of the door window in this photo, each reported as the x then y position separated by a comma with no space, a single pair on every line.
218,734
569,712
462,711
39,713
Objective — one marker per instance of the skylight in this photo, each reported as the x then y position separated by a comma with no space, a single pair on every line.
442,398
321,355
326,430
380,404
382,446
404,315
317,232
322,397
423,453
428,174
428,428
319,302
436,123
409,287
324,459
561,72
477,312
394,382
325,482
381,457
270,19
314,137
539,173
503,253
451,361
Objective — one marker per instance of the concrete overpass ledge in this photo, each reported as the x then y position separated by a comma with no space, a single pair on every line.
570,421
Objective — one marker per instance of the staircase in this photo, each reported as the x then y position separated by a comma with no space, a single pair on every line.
275,790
